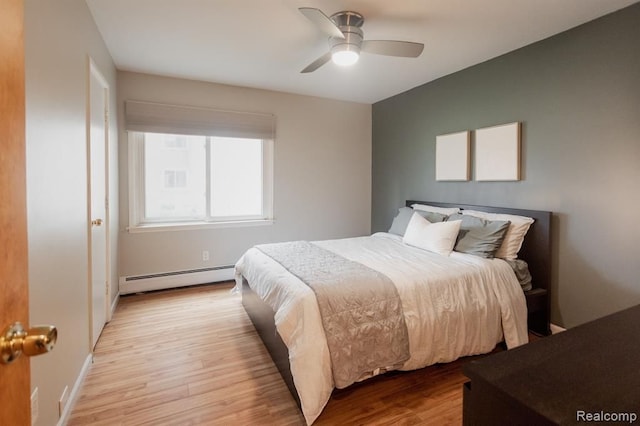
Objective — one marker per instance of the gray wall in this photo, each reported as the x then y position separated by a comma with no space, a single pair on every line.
322,174
578,97
59,37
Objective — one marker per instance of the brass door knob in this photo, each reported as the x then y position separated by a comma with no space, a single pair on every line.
96,222
15,341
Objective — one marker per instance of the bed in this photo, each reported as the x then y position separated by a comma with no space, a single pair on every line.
486,306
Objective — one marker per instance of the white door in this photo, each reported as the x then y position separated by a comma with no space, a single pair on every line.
98,132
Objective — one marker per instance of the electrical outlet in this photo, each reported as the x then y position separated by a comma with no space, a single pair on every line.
205,255
62,402
34,406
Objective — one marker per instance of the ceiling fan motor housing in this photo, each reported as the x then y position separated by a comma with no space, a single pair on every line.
350,24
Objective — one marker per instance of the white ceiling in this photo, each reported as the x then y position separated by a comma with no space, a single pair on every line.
265,43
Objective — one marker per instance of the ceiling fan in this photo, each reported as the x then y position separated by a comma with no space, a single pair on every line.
346,39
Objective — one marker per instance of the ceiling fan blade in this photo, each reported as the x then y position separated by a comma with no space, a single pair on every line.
317,63
405,49
322,21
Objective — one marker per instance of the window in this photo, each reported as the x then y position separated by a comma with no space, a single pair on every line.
175,179
187,180
198,167
176,142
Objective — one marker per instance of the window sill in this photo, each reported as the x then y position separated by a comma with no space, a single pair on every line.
193,226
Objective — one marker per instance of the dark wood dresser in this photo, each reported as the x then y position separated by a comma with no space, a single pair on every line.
588,372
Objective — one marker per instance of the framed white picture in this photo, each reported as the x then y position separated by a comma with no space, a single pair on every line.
452,156
497,153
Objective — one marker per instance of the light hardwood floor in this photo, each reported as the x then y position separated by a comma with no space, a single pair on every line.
192,357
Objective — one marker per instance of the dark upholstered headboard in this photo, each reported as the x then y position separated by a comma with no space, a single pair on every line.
536,248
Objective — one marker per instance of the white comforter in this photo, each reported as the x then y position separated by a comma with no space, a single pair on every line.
454,306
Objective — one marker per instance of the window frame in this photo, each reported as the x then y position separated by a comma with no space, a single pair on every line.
137,201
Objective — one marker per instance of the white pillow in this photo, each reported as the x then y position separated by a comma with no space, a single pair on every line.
442,210
437,237
515,233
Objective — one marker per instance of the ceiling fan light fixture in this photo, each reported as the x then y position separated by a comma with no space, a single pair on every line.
346,40
345,57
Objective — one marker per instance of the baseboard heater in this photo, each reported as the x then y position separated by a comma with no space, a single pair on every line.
161,281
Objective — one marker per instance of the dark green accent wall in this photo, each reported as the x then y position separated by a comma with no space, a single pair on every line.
578,97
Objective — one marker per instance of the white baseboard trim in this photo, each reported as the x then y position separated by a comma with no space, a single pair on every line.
73,396
555,329
138,284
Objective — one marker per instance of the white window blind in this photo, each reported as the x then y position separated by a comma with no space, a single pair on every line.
188,120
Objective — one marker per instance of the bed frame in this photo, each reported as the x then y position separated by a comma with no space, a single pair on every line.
536,251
